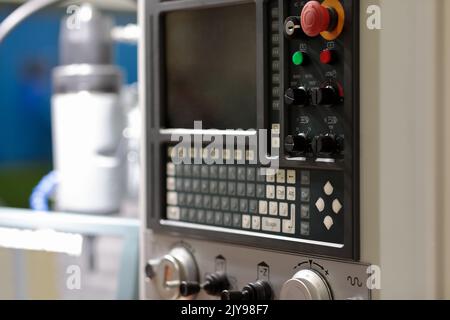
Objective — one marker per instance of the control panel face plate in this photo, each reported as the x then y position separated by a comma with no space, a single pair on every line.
243,265
309,202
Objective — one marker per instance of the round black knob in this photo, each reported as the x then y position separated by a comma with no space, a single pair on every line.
325,96
214,284
297,144
296,96
188,289
325,145
292,28
259,290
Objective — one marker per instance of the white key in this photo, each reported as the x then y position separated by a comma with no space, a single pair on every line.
238,155
289,225
271,224
284,209
256,223
273,208
250,155
291,177
337,206
246,221
320,205
171,184
276,128
173,213
291,194
281,193
328,188
172,198
270,175
170,169
270,192
262,207
328,222
276,142
281,176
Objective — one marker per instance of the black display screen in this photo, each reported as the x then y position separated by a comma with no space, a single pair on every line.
210,67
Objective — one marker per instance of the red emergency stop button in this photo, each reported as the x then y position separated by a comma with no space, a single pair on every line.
315,18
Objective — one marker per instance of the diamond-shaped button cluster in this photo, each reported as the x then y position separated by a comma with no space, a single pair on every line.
336,206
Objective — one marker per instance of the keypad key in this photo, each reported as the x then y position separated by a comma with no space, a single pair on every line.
231,173
304,211
223,188
284,209
256,223
273,208
246,221
218,218
241,173
216,203
241,189
190,200
182,199
213,187
305,229
198,201
260,177
270,192
237,220
305,178
201,217
187,185
210,217
305,194
179,170
234,204
184,214
170,183
271,224
281,193
196,171
291,177
251,174
170,169
196,186
192,215
243,205
179,183
227,219
263,207
291,194
173,213
205,186
172,198
260,191
281,176
223,174
205,172
253,206
225,204
231,188
207,202
214,172
251,192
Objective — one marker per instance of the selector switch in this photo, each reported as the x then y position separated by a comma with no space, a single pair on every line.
297,144
259,290
325,146
214,284
325,96
296,96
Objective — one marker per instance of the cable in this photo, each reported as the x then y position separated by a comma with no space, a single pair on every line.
21,13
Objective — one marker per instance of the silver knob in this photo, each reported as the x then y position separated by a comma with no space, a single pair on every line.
168,272
306,285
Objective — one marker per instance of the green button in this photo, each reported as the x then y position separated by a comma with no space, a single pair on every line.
298,58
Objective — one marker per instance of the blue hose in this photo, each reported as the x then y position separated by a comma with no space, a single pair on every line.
43,191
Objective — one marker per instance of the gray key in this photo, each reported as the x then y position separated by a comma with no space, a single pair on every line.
223,188
305,194
253,206
234,204
237,220
207,202
227,219
184,214
304,229
251,192
192,215
241,173
251,174
213,187
181,199
304,211
232,173
225,204
205,172
179,170
218,218
243,205
241,189
260,191
205,186
213,172
196,187
187,185
201,218
260,177
187,170
210,217
305,178
179,184
196,171
216,203
231,188
223,175
198,201
190,200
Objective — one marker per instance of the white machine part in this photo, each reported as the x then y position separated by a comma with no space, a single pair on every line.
87,131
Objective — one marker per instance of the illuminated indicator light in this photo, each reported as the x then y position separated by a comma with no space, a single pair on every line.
326,56
298,58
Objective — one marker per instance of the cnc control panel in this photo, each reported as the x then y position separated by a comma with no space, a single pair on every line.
219,75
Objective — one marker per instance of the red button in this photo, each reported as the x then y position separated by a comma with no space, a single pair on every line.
315,18
326,56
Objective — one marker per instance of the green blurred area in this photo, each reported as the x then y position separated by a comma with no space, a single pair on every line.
17,182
